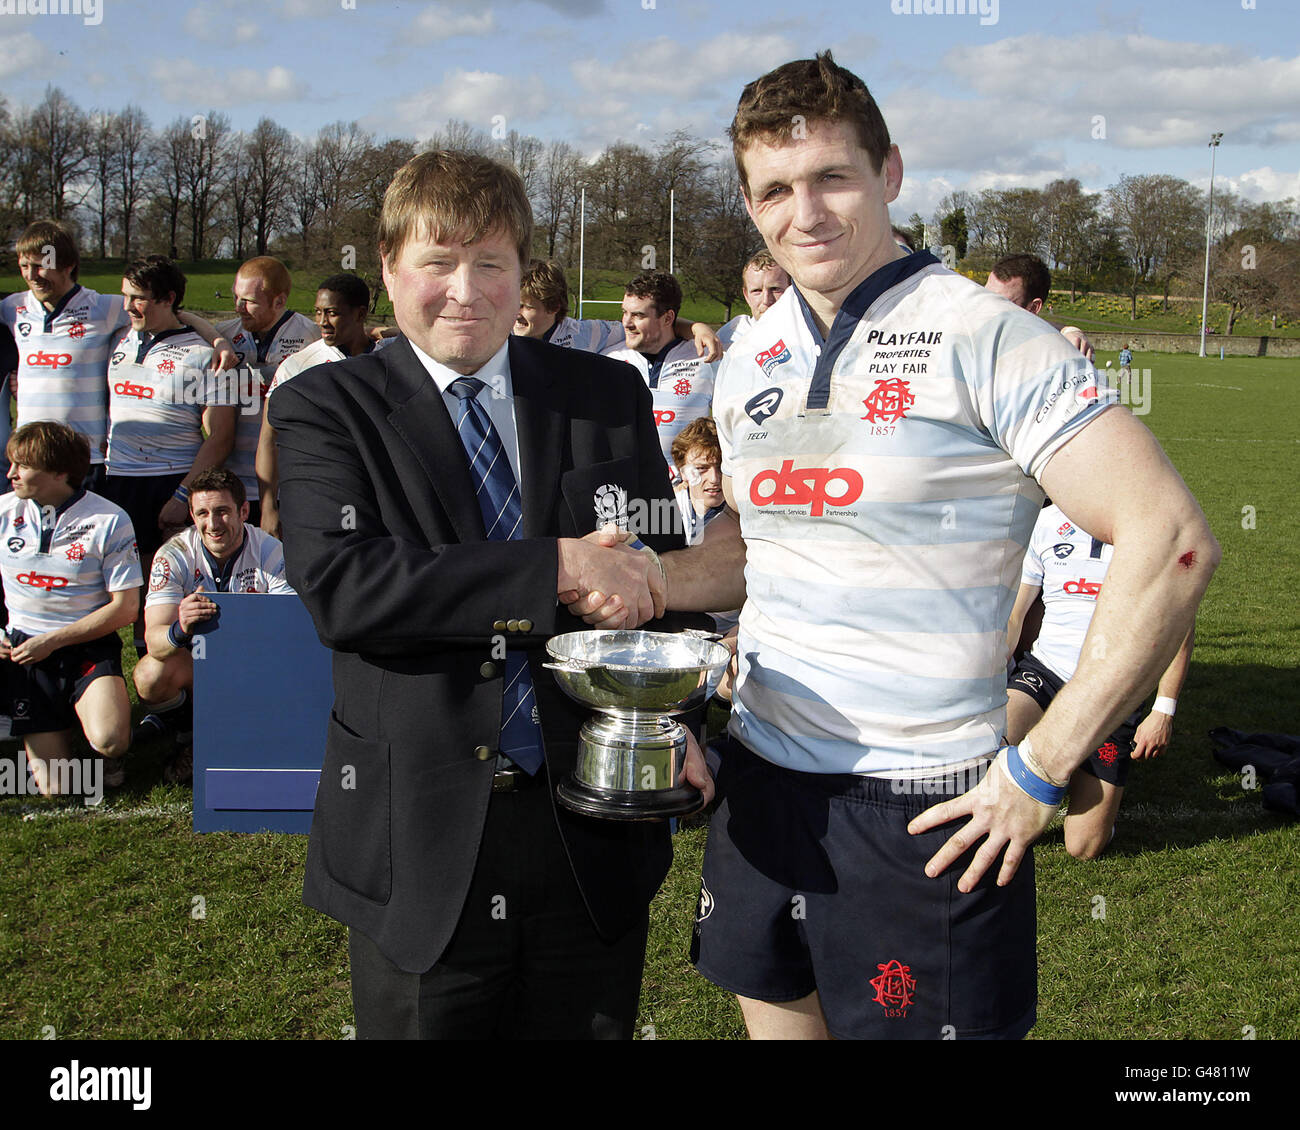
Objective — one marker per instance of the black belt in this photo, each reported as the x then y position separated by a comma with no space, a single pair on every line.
509,778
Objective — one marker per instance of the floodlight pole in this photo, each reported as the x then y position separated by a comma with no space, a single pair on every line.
581,254
1215,138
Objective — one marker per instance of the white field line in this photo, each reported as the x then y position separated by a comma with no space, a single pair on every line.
1234,388
171,810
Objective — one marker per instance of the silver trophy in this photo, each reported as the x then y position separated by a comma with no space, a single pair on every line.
631,756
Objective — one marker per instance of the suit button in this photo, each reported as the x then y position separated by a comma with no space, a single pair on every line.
488,670
498,625
482,752
525,625
512,625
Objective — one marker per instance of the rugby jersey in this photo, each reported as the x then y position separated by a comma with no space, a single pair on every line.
183,563
681,386
63,356
317,353
61,564
735,329
1069,565
885,479
158,386
592,335
283,340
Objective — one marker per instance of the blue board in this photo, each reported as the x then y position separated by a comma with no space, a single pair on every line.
262,697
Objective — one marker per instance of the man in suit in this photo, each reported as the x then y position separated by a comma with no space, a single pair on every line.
476,906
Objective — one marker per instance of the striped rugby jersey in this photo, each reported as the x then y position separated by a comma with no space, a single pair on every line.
737,328
885,479
591,335
317,353
61,565
183,563
283,340
681,386
157,390
62,358
1069,565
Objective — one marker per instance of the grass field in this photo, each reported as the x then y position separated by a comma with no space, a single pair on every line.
100,935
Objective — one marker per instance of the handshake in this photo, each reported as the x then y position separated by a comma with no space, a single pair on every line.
607,583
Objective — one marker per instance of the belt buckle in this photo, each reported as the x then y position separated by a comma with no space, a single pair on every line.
507,780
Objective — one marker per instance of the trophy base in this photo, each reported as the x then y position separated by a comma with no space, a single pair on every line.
623,804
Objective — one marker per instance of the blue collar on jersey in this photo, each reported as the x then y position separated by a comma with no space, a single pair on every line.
555,325
222,573
849,315
264,343
147,342
58,306
47,535
657,361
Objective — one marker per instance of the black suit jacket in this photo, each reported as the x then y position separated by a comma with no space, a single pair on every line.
384,543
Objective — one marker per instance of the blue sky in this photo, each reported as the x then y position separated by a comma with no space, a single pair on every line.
973,102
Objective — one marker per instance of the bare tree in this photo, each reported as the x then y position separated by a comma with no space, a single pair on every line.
131,167
270,164
560,172
102,150
727,238
170,159
61,132
523,153
205,176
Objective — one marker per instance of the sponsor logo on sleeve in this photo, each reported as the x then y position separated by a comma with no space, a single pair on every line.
770,358
764,405
1063,550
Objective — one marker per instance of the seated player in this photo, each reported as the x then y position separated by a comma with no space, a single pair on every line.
221,552
170,415
342,302
544,309
72,579
764,281
1069,566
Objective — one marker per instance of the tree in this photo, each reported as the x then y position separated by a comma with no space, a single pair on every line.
102,149
131,168
270,152
60,132
170,157
952,231
1138,207
727,238
557,191
204,176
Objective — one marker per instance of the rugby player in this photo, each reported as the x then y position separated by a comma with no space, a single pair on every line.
680,380
1068,567
163,396
342,303
1026,281
65,334
544,313
887,464
265,333
764,281
220,552
72,578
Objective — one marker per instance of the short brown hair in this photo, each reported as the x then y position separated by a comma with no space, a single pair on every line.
1032,272
218,479
159,276
660,287
698,433
544,285
41,234
273,273
448,195
763,261
50,446
802,92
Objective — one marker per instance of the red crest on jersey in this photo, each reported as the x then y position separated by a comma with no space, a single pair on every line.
77,329
889,401
166,366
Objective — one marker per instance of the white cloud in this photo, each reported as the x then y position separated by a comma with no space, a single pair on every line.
23,52
1257,185
475,96
437,22
211,26
213,87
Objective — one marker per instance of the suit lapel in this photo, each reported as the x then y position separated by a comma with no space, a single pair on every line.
422,420
541,419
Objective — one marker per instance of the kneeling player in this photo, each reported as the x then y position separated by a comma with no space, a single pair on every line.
72,579
1069,566
221,552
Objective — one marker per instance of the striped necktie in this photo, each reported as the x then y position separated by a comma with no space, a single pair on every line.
499,502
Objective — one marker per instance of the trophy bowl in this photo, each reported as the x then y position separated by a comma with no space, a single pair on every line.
631,755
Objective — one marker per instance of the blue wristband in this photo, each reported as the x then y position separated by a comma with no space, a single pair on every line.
1030,782
177,638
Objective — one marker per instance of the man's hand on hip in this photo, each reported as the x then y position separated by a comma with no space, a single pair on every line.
998,810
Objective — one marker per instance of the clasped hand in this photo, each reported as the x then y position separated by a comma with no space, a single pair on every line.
607,583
